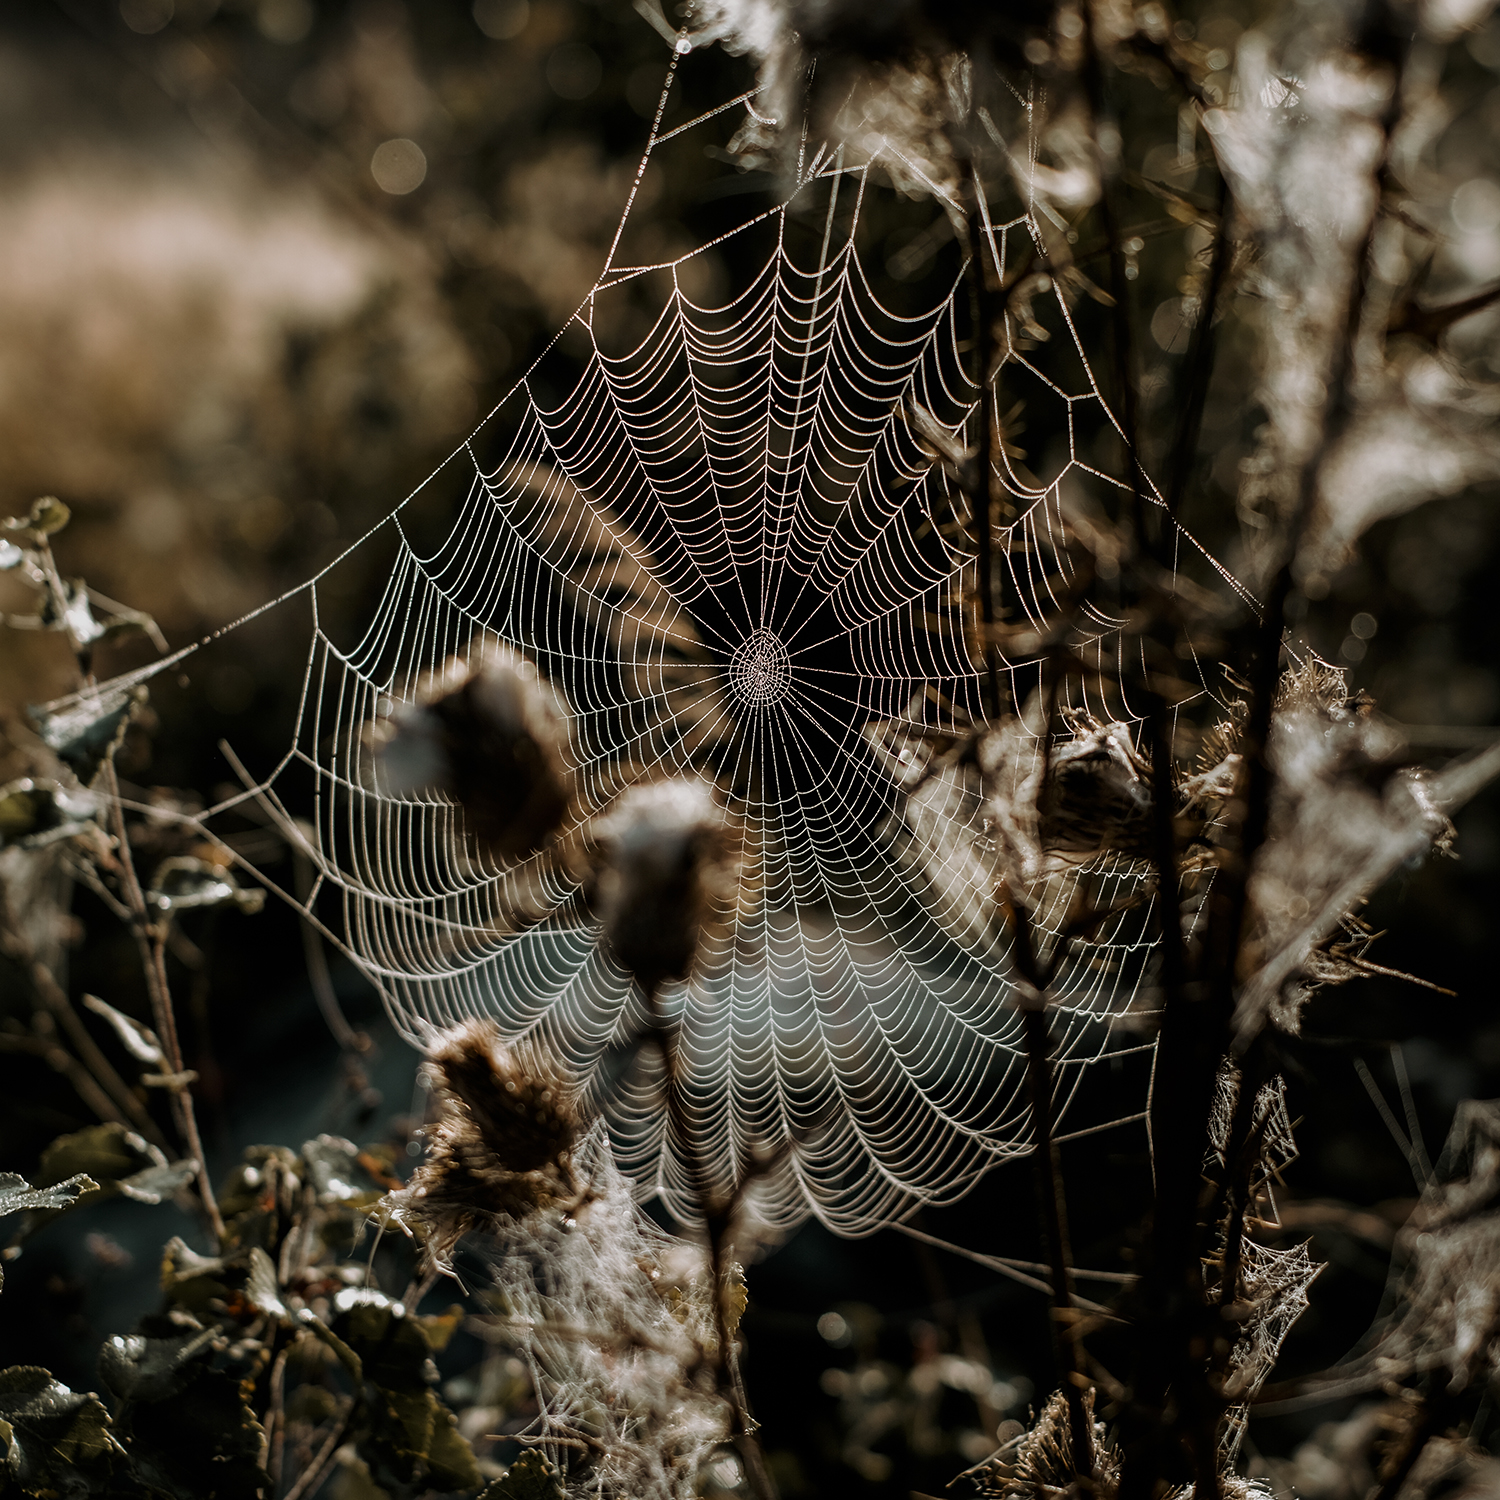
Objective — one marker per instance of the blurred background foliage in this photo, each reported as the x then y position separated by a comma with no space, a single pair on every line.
264,263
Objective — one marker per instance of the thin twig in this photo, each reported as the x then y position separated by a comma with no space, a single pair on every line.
982,506
716,1223
1198,367
314,1474
1051,1198
150,943
127,1109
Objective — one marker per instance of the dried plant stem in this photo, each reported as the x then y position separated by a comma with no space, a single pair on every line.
276,1420
981,496
151,943
1198,367
316,1472
1051,1198
124,1106
1049,1184
717,1217
1119,282
1429,1418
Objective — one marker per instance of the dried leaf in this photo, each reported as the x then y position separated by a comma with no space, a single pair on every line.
157,1183
138,1368
55,1442
138,1040
90,729
17,1195
36,811
201,1443
106,1153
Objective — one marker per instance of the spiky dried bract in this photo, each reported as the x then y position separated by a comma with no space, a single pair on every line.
1089,797
487,732
1344,814
503,1142
1038,1464
666,864
616,1319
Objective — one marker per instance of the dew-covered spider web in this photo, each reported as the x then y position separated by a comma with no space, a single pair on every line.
731,552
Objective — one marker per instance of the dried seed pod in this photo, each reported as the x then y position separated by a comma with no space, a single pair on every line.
487,733
666,861
520,1105
503,1143
1097,796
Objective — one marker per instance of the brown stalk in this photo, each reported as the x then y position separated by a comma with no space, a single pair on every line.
1171,1290
273,1443
717,1221
1051,1196
150,938
1199,365
981,487
317,1471
125,1107
1181,1107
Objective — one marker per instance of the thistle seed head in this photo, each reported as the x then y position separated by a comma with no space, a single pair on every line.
503,1143
486,732
1097,796
666,863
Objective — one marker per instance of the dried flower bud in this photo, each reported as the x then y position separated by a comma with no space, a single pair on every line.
488,734
665,849
503,1143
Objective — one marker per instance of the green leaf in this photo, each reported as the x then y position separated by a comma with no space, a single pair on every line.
201,1443
440,1327
450,1459
531,1477
56,1442
16,1194
347,1357
48,516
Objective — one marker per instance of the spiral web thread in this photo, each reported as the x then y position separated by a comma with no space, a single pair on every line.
730,554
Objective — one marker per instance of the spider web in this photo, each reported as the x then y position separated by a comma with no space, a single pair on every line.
731,554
